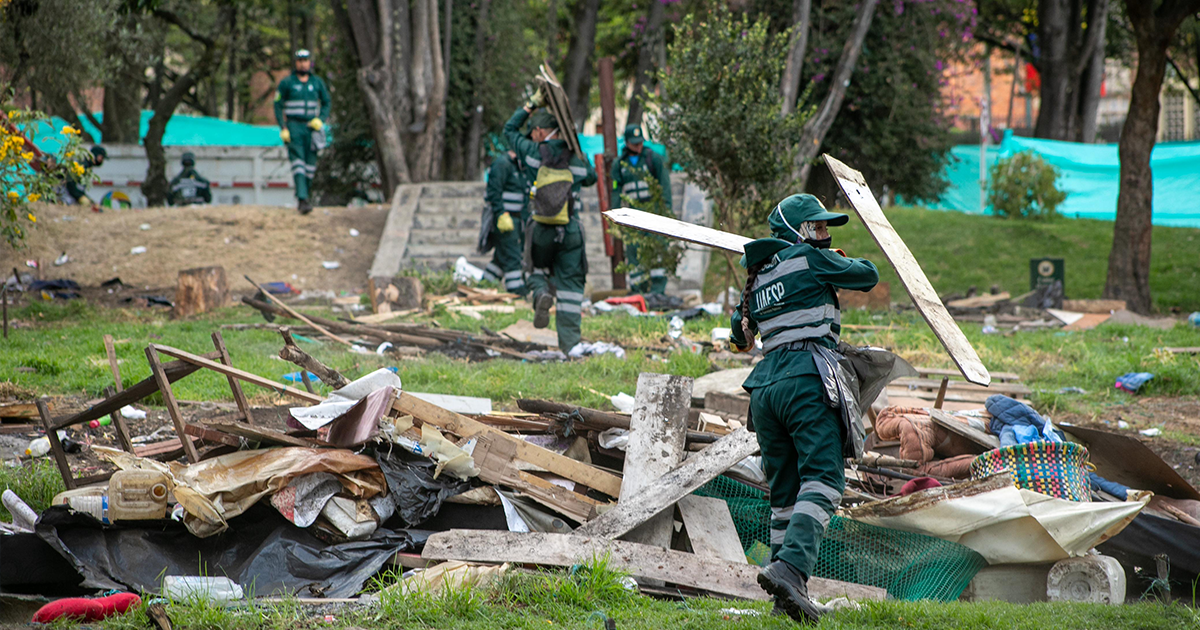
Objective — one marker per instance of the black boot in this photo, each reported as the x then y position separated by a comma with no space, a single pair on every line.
790,591
541,310
304,207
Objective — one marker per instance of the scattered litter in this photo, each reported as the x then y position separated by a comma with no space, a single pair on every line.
584,348
62,260
331,264
614,438
23,516
31,263
623,402
720,337
638,302
1194,319
465,272
1151,432
86,609
1132,381
130,413
740,612
1072,390
546,355
143,227
1121,424
140,249
383,347
203,588
354,232
297,377
675,328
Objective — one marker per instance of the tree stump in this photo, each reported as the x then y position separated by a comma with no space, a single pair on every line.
200,290
401,293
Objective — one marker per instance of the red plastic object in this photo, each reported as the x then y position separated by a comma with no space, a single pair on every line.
637,301
87,609
918,484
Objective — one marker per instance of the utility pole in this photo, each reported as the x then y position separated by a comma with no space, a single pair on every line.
613,246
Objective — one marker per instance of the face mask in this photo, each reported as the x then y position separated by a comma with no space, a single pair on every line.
303,72
820,243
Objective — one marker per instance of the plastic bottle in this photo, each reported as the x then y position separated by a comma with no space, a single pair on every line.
102,422
23,516
38,447
95,504
137,495
204,588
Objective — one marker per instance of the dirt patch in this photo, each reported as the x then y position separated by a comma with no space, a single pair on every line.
1178,416
268,243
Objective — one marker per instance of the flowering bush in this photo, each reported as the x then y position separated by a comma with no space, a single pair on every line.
29,175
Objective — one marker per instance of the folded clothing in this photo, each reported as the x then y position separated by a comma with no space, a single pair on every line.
1017,423
911,425
953,467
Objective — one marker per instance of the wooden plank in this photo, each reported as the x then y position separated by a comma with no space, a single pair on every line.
985,441
979,301
18,410
911,276
961,386
557,103
393,242
941,393
117,419
164,386
211,435
163,450
253,379
657,432
951,395
471,405
1191,350
710,528
295,315
463,426
56,449
236,387
579,507
259,434
112,360
674,228
694,472
174,370
996,376
678,567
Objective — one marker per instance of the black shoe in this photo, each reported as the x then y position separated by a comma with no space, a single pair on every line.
304,207
790,591
541,310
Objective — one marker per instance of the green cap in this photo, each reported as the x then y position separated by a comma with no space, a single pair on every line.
189,159
633,133
543,119
303,54
785,218
99,151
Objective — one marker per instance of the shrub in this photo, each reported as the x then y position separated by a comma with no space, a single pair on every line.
1023,186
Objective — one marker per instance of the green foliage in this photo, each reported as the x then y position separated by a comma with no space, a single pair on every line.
720,107
654,252
36,482
28,180
1023,186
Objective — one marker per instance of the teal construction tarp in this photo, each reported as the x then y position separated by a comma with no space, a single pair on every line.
191,131
1090,174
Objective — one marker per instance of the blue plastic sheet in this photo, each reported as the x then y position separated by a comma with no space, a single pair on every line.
1090,174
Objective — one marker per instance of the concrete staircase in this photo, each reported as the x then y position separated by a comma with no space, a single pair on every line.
430,225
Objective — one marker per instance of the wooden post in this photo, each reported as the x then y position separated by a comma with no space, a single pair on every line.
60,456
657,432
613,246
111,352
234,385
118,420
164,386
4,297
941,395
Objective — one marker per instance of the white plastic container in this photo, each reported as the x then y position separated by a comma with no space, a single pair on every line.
137,495
23,516
199,587
38,447
94,504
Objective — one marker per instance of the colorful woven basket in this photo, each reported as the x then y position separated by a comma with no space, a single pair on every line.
1058,469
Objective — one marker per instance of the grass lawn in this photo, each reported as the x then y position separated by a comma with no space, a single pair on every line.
959,250
584,599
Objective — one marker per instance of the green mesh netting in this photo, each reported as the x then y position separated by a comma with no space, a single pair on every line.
910,566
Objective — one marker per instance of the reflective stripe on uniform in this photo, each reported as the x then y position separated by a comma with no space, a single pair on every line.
778,536
801,317
790,265
513,196
783,513
567,307
578,171
814,511
514,284
816,487
540,271
798,334
573,296
658,273
513,207
532,161
508,275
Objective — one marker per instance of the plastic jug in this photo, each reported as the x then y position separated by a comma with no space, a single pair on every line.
137,495
94,504
203,588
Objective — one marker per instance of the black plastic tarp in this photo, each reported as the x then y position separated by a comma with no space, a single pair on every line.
412,486
261,551
1147,536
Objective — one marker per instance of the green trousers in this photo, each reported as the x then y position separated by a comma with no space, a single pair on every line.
640,280
560,268
801,441
507,258
302,156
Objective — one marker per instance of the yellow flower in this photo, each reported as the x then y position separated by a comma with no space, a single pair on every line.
33,197
14,114
77,168
32,218
27,156
69,130
12,194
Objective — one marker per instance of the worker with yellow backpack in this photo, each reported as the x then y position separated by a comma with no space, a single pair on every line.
554,244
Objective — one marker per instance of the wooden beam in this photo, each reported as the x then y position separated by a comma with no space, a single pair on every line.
710,528
1009,389
56,449
292,313
393,241
253,379
986,441
681,230
234,386
911,276
164,386
111,351
696,471
941,395
656,445
463,426
645,561
174,370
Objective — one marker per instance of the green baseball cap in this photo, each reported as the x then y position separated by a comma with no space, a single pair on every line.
785,218
189,159
633,133
543,119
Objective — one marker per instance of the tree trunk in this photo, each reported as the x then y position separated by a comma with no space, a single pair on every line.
815,129
790,85
122,104
1054,18
1089,98
231,109
430,85
647,51
1129,261
580,58
475,133
155,186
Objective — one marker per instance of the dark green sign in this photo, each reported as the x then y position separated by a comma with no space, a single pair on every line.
1044,271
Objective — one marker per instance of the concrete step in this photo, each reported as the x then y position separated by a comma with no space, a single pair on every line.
450,221
448,190
450,205
456,239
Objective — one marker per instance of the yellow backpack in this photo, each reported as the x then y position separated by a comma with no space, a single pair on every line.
552,199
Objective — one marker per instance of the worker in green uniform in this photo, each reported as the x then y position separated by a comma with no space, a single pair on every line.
636,165
506,197
189,186
301,107
790,299
554,248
